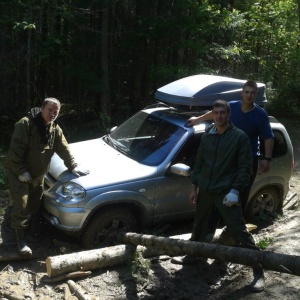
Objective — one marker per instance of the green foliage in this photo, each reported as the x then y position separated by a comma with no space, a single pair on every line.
140,267
68,52
23,26
264,243
3,178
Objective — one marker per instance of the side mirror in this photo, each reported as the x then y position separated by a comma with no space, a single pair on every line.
181,170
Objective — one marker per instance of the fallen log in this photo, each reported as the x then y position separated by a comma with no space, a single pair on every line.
268,260
220,236
89,260
7,254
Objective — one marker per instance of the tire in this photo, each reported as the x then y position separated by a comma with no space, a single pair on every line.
263,206
102,229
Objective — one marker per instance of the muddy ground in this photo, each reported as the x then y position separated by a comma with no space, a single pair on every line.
159,278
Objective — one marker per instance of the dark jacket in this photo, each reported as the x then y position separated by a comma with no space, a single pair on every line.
224,161
33,144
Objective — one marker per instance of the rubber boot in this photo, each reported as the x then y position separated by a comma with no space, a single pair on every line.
258,283
23,249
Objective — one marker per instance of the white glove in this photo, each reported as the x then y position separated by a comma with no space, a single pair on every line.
25,177
232,198
79,171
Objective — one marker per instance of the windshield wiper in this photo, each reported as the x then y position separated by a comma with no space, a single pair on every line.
117,145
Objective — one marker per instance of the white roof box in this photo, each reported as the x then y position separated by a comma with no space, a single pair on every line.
203,90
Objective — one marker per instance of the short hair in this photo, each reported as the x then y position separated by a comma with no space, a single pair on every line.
47,100
250,83
221,103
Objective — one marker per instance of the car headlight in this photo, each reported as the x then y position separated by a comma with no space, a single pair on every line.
72,191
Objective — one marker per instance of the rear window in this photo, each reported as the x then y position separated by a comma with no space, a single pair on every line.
280,146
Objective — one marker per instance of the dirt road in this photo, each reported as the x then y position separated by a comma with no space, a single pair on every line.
159,278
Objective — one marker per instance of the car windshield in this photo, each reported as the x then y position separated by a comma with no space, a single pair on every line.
145,138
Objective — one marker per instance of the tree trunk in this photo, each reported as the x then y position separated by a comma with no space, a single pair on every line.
89,260
268,260
111,256
105,95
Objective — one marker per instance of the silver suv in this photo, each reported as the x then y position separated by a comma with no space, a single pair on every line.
140,177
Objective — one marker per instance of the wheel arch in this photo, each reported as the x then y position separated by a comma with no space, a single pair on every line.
278,189
133,206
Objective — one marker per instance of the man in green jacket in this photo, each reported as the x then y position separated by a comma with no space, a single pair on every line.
34,141
222,170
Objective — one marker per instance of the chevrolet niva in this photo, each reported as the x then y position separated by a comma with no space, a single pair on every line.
140,171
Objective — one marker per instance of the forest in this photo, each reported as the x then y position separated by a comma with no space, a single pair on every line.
105,59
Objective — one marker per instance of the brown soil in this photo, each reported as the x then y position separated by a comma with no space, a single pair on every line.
158,277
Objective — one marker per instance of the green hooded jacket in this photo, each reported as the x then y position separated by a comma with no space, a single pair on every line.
30,150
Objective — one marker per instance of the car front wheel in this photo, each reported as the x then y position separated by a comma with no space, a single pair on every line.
102,229
263,205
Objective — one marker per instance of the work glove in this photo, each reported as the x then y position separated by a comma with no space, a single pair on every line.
232,198
25,177
79,171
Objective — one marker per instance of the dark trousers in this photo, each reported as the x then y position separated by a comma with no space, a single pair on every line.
26,199
243,198
232,216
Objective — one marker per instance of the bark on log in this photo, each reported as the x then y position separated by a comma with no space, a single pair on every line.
8,255
89,260
268,260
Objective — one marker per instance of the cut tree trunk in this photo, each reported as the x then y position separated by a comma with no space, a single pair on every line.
254,258
89,260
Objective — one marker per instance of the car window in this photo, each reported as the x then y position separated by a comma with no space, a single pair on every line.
280,145
188,152
146,138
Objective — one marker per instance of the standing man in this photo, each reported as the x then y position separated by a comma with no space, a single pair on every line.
34,141
222,171
254,121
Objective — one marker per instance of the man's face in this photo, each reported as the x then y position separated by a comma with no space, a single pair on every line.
249,94
50,112
220,116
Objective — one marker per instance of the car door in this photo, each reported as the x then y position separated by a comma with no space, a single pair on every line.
172,197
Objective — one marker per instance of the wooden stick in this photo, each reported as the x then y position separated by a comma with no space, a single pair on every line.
78,291
71,275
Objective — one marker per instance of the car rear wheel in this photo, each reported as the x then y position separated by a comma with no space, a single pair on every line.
102,229
263,206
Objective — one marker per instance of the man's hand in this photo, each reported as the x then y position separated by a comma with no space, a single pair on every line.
192,121
79,171
193,195
232,198
263,166
25,177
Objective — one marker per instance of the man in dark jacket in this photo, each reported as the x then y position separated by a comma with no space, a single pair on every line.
222,170
34,141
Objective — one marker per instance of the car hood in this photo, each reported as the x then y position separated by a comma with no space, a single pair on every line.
106,165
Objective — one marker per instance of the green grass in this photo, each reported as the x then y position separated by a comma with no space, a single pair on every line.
264,243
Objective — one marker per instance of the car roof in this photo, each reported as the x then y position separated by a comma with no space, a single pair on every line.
202,90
